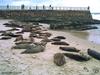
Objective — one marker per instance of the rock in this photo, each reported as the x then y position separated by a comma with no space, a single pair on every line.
60,37
70,49
59,59
88,28
59,43
34,49
86,69
94,54
96,70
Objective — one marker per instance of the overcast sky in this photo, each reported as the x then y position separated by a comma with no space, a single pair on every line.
94,4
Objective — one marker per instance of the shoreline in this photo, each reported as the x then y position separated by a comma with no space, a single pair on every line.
11,60
75,38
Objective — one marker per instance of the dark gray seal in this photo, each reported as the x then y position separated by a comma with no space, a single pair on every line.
34,49
70,49
59,59
60,37
94,54
60,43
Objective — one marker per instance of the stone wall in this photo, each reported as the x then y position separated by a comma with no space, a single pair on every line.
66,16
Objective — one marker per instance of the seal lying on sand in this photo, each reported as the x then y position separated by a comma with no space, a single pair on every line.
5,38
46,40
45,34
10,34
19,32
27,28
1,31
42,43
6,24
13,29
71,49
56,39
7,33
78,57
59,43
23,42
33,35
59,59
19,38
34,49
60,37
21,46
94,54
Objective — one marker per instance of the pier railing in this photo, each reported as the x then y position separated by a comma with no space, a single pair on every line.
42,8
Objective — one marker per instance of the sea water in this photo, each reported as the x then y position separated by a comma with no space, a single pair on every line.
90,35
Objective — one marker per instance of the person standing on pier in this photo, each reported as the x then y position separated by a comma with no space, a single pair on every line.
22,7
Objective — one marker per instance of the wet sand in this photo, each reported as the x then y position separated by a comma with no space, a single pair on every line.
89,35
12,62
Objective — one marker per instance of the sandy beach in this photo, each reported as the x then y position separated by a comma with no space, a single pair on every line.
12,62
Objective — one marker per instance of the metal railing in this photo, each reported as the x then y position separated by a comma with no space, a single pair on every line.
42,8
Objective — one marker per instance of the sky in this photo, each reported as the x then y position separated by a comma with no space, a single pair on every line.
94,4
